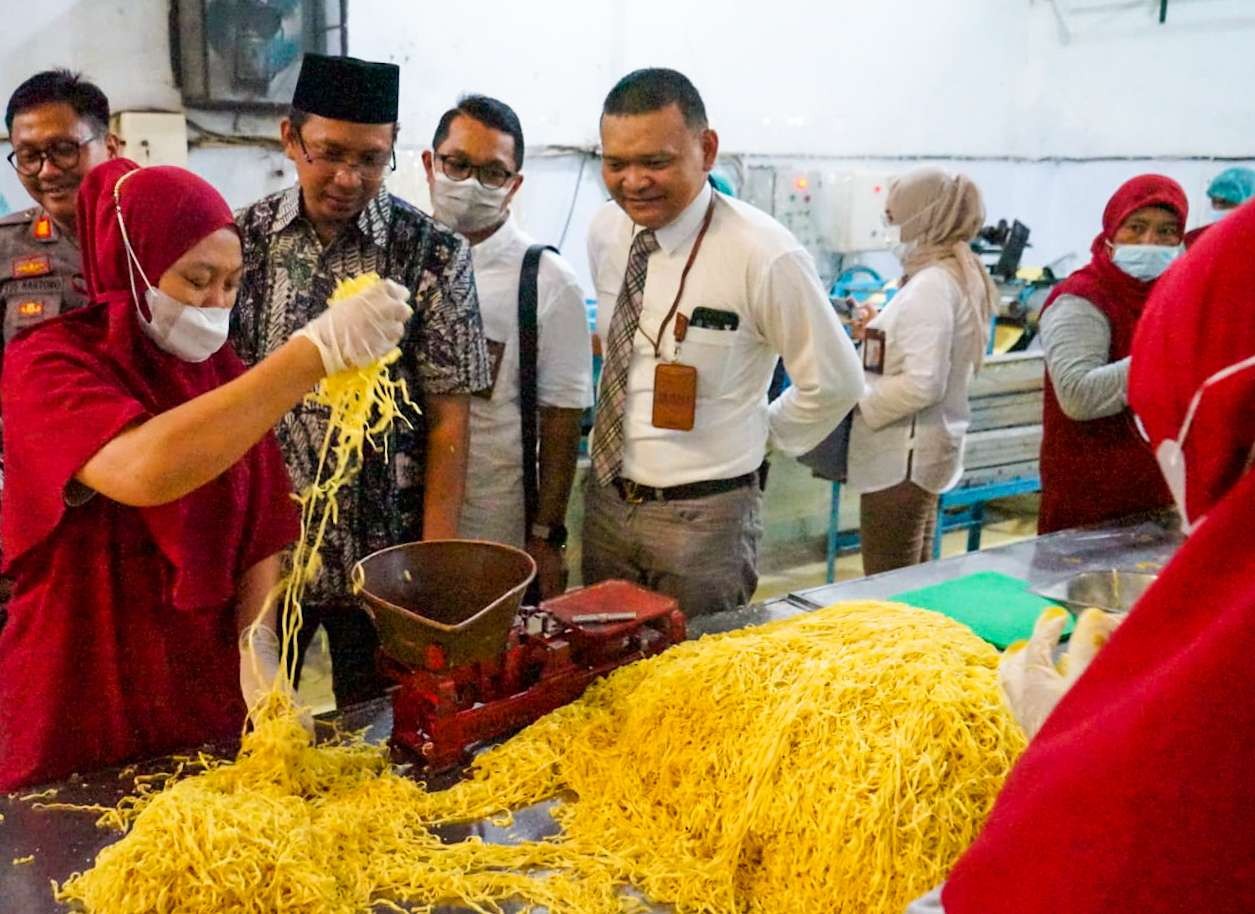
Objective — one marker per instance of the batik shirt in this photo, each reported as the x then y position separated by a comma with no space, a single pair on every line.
288,275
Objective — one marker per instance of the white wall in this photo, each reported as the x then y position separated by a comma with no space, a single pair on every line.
983,86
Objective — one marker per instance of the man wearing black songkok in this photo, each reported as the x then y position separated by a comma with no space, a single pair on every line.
338,221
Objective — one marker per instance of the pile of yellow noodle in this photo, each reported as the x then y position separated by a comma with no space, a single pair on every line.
835,762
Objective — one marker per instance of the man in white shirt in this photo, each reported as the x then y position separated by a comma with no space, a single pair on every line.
474,169
698,294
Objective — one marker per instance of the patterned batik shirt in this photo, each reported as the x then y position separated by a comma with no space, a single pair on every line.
288,275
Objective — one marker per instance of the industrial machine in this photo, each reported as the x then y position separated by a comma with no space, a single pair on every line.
471,665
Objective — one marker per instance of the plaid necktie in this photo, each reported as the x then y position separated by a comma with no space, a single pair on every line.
607,452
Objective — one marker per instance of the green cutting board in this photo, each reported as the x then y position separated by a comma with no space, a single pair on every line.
998,607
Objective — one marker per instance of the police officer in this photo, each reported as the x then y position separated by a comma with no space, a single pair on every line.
59,129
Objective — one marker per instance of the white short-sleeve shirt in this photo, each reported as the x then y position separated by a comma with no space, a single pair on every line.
492,507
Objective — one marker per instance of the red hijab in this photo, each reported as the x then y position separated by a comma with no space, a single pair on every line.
205,534
1101,281
1138,793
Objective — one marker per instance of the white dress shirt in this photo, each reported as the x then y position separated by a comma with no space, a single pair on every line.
492,508
918,406
752,266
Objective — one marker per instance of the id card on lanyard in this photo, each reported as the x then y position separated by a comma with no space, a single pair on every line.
675,384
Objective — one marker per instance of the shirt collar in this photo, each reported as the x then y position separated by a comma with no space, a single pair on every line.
372,222
684,226
496,244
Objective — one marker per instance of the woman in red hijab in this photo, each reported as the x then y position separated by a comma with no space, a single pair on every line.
1137,793
145,500
1094,467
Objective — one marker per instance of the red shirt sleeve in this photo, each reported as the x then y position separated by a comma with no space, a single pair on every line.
61,406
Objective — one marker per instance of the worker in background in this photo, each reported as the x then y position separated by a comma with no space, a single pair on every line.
919,355
1135,794
698,294
339,221
474,170
147,502
1094,466
1226,192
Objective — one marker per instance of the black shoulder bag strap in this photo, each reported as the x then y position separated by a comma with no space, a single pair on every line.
528,407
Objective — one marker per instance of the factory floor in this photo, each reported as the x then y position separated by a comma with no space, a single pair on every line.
795,518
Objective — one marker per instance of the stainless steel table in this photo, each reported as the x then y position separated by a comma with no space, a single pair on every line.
63,842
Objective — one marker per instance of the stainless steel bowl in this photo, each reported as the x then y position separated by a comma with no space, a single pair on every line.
1114,591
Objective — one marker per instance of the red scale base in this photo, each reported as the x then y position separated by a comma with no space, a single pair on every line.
440,713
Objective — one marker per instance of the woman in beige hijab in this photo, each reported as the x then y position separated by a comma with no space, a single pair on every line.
906,444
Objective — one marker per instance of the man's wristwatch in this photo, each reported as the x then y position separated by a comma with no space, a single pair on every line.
553,534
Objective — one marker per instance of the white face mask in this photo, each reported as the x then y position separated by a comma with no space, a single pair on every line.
467,206
1170,454
1217,214
1145,261
190,333
193,334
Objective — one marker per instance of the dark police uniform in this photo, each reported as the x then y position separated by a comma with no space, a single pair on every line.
41,271
41,276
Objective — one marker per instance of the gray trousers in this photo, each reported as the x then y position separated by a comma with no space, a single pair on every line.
702,551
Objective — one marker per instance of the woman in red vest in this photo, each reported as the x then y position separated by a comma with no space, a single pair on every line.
1094,465
145,501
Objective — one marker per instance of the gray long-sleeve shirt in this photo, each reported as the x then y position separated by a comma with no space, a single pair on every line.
1076,337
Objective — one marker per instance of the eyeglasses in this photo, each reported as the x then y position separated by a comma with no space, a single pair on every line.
64,154
369,167
459,169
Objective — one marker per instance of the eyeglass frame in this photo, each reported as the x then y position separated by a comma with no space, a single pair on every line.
355,167
45,155
476,170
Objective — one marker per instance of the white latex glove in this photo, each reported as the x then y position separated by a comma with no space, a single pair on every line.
259,667
1031,680
355,332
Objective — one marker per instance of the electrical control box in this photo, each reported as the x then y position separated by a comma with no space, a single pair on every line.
797,197
152,137
851,215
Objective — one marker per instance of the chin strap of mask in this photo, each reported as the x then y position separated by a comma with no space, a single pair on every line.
132,261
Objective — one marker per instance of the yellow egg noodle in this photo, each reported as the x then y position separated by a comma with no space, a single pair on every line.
837,761
362,404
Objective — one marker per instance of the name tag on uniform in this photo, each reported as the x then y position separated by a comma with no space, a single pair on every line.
675,396
33,265
874,351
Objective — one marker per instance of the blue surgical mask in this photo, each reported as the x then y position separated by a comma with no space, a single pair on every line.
1145,261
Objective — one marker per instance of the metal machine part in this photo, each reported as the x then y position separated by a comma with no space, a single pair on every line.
1114,591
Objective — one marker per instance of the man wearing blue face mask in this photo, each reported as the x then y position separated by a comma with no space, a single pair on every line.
1094,466
525,427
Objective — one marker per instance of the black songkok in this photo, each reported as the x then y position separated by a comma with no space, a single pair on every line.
348,89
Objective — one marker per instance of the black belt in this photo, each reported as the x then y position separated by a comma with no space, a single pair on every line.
636,494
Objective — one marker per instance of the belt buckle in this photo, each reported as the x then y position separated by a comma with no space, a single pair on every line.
632,492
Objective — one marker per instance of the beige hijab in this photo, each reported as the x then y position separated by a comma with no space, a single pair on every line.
940,214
